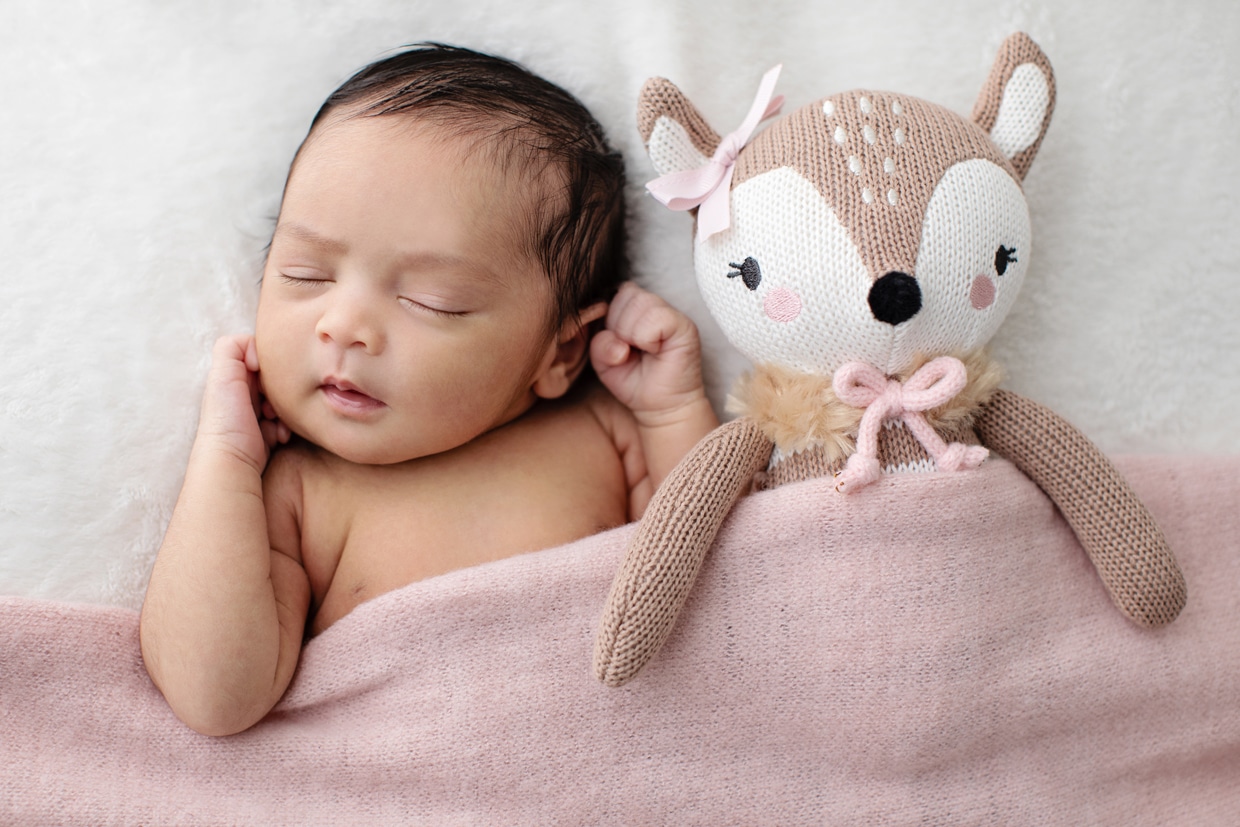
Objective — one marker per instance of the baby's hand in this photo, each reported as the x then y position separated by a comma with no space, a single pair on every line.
234,415
649,357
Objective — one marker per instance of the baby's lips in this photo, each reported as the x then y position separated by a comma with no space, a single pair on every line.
349,395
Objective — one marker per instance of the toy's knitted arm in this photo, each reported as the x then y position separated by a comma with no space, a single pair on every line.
1115,529
671,541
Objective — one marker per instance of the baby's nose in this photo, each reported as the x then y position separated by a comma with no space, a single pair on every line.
895,298
348,324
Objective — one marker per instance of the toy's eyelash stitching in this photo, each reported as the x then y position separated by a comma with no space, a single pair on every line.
748,271
1003,257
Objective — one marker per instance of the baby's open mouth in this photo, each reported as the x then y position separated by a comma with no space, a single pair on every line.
347,398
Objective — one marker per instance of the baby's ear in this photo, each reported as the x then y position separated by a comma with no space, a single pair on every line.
1016,103
567,354
676,135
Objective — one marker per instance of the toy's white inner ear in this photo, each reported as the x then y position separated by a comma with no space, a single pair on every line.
1026,97
671,149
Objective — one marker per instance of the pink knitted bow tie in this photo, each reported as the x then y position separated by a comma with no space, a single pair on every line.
708,186
934,383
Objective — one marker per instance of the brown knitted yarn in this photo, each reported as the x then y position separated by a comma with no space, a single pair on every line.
1115,529
667,550
898,450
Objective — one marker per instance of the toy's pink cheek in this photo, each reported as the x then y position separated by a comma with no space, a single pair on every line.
782,305
982,294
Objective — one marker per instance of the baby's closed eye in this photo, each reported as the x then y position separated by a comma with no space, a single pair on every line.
434,308
304,275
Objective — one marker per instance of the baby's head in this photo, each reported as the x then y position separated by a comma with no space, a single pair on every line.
449,226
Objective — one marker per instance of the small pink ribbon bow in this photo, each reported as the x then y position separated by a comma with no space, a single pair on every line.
708,186
934,383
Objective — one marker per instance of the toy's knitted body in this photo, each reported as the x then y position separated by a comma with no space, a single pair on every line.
862,251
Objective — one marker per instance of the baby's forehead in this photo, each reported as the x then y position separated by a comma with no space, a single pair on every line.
472,182
489,156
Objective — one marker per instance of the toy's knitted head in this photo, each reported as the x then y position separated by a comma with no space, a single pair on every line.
866,226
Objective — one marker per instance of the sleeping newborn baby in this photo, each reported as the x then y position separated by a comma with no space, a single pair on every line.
450,228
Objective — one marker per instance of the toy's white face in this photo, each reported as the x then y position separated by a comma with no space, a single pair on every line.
788,285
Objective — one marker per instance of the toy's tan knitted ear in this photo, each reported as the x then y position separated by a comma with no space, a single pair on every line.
676,135
1016,103
671,542
1112,525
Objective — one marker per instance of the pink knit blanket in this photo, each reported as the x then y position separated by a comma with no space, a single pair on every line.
933,650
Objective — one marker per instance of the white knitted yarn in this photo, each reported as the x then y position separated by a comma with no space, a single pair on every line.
671,149
780,220
1025,99
976,208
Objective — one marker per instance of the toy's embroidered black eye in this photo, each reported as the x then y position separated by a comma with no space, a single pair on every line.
1003,257
749,272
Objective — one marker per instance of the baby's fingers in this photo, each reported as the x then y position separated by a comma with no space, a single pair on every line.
644,320
607,350
274,433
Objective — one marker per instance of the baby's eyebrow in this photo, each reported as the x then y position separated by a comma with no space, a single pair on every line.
412,261
306,234
438,261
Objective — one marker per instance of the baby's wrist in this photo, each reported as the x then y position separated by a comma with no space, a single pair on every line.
219,453
692,408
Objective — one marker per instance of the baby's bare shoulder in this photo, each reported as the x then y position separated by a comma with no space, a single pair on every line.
303,483
574,431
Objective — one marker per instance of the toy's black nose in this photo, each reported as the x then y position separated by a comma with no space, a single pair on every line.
895,298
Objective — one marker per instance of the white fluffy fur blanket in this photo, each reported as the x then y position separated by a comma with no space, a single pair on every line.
933,650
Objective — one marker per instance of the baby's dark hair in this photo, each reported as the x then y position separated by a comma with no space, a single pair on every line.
579,233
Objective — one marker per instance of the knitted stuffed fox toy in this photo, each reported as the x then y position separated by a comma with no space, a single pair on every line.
861,252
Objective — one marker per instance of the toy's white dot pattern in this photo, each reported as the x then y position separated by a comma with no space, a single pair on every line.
872,121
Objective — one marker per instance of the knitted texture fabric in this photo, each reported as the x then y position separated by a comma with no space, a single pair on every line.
931,650
1116,530
898,452
666,552
872,233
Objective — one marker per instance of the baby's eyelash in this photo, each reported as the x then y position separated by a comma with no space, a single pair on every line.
443,314
287,279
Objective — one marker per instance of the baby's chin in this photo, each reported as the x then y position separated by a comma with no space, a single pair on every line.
357,451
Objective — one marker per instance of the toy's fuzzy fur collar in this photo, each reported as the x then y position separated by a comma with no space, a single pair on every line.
799,411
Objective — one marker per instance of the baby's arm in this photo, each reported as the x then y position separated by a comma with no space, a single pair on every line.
650,358
224,614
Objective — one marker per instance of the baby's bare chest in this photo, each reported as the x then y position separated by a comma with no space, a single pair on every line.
369,530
